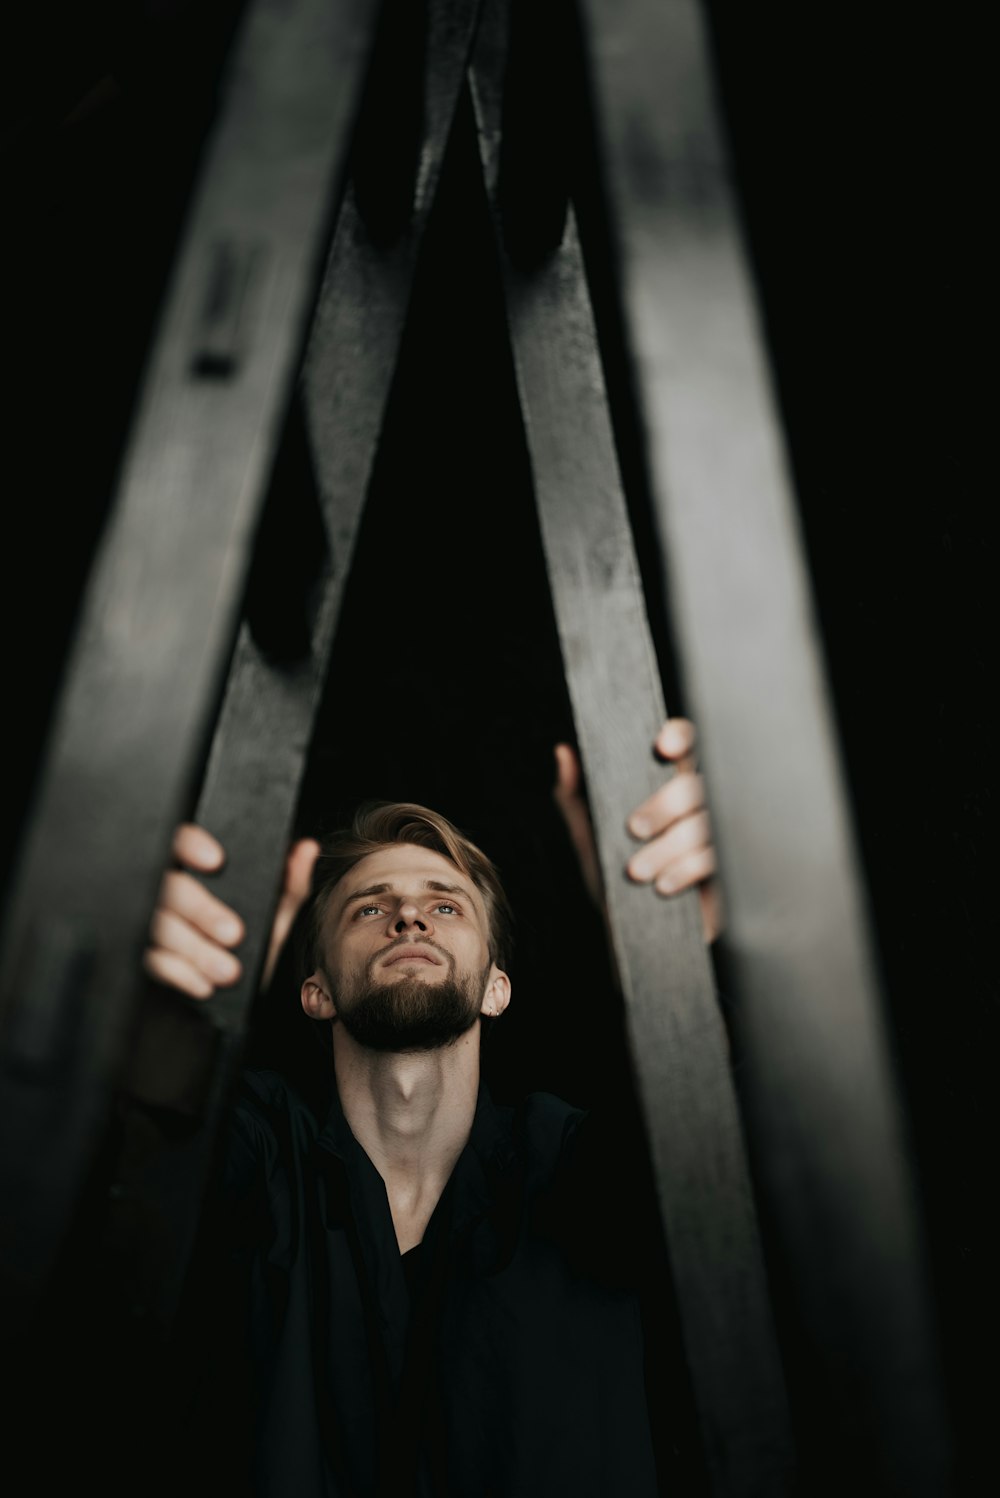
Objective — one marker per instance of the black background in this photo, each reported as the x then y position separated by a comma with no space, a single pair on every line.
855,141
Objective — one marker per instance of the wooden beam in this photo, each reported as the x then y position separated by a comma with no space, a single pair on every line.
677,1037
161,610
263,733
823,1112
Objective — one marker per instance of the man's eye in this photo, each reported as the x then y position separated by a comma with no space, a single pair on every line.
448,909
366,909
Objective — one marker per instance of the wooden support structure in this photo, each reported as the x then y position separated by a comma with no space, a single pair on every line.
265,724
676,1031
249,310
148,659
822,1104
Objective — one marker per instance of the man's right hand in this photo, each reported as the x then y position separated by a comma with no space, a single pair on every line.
192,933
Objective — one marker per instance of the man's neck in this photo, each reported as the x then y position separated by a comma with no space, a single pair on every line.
412,1115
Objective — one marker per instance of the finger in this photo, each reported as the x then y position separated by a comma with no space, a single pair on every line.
676,740
694,868
681,796
172,934
712,913
568,796
176,972
568,773
186,897
299,866
197,848
658,858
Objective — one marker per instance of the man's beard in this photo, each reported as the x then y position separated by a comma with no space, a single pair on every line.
411,1014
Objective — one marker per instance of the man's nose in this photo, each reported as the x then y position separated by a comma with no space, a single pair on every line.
408,916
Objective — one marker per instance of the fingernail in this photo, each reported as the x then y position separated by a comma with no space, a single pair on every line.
228,930
639,827
638,869
225,968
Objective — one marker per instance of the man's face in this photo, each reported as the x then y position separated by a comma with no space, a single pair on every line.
406,938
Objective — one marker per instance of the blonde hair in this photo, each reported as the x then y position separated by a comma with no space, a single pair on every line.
379,824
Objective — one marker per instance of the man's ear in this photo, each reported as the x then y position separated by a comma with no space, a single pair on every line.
316,999
497,995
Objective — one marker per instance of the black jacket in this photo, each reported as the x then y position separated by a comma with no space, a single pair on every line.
502,1359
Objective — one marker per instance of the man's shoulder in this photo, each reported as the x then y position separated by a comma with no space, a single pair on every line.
268,1089
542,1125
546,1113
267,1104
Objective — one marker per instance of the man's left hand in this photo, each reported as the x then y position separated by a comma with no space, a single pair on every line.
672,824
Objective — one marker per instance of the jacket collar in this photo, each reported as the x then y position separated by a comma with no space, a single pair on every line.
483,1172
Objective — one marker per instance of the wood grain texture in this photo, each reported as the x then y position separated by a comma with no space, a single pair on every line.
676,1031
159,618
822,1106
262,737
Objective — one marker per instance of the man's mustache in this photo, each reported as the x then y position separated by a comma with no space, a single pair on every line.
405,941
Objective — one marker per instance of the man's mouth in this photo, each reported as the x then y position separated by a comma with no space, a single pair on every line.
410,954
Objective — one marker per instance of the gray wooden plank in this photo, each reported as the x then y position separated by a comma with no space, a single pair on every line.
822,1104
158,620
262,736
676,1032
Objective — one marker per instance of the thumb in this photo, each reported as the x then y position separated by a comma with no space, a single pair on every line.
299,867
568,775
569,798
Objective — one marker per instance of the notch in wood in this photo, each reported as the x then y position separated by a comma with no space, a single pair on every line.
232,288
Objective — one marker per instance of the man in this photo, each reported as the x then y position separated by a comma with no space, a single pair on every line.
422,1293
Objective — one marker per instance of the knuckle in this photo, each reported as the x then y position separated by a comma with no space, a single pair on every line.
684,794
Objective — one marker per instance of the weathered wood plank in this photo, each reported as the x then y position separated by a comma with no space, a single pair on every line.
677,1036
822,1107
161,610
262,737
